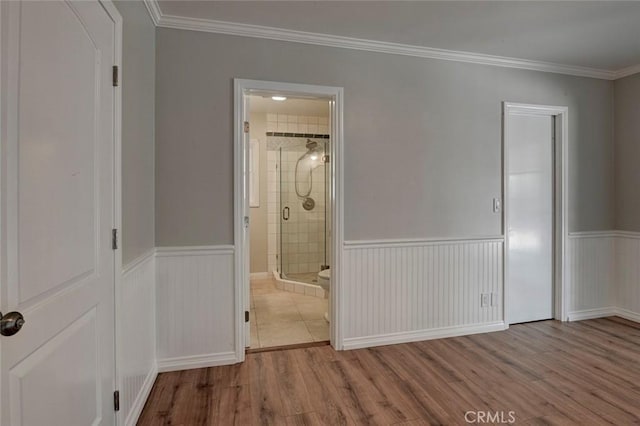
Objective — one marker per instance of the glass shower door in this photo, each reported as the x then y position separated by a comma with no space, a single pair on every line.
302,209
288,225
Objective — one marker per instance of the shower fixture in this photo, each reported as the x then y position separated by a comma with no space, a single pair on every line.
308,203
313,154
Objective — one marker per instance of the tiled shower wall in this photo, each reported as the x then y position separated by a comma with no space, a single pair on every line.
303,235
297,124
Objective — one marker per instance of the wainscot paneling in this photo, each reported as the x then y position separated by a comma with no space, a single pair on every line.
137,325
195,307
627,267
592,271
408,290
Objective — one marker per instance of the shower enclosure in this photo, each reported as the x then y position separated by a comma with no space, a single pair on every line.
303,199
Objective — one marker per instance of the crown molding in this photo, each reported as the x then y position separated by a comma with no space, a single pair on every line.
280,34
625,72
154,10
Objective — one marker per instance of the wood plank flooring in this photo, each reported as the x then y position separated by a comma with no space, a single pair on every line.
582,373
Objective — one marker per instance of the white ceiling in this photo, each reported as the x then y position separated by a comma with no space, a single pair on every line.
595,34
312,107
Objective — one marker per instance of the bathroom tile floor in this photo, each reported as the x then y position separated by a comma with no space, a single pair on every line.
281,318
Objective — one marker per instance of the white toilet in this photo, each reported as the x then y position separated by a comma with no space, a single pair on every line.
324,281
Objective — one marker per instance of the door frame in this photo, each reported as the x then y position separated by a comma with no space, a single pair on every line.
114,13
560,201
243,87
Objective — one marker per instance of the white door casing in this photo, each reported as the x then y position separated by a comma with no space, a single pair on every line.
335,95
535,220
58,156
246,237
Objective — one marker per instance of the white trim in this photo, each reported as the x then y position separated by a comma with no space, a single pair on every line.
196,361
194,250
271,33
592,234
561,202
336,95
260,275
138,261
141,398
319,39
592,313
154,11
410,242
627,314
240,211
625,72
627,234
420,335
604,234
114,13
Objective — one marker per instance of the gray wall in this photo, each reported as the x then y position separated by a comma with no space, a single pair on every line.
627,152
138,115
422,137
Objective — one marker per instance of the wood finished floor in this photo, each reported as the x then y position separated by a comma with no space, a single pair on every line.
583,373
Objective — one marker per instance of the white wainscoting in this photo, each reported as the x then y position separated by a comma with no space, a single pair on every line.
195,307
605,274
409,290
627,266
137,322
592,274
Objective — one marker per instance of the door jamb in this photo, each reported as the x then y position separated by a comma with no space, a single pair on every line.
336,96
561,197
114,14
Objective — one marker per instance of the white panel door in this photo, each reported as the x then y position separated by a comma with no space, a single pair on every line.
529,204
57,213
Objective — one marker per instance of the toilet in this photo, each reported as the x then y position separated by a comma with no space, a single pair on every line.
324,281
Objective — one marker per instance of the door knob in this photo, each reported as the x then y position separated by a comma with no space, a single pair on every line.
11,323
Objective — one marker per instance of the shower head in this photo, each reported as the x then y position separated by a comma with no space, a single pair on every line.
311,144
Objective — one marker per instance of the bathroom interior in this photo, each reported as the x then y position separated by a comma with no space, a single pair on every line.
290,231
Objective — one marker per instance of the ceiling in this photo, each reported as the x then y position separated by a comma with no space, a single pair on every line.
312,107
595,34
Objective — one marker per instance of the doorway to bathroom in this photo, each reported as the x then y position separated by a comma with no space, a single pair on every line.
286,201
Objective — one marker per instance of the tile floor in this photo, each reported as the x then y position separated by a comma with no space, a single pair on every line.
283,318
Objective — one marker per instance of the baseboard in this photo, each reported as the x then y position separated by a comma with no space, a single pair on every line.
627,314
141,399
196,361
419,335
260,275
592,313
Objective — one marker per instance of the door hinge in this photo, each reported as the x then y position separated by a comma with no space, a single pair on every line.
116,82
116,400
325,159
246,316
114,239
246,127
